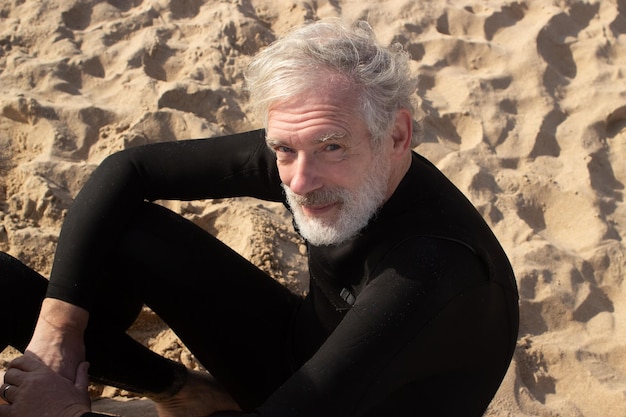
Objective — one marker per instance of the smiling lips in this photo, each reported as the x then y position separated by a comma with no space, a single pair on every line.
319,203
318,210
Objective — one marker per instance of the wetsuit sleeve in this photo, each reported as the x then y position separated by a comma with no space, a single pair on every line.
389,344
231,166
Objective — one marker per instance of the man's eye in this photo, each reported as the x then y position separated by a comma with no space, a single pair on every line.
283,149
332,147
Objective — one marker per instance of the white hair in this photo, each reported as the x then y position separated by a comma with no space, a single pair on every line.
310,54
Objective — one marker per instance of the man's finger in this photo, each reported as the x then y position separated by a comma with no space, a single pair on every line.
27,362
23,366
13,376
6,392
82,377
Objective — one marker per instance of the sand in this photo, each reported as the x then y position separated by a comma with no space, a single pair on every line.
524,105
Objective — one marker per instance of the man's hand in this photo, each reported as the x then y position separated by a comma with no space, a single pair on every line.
32,389
58,340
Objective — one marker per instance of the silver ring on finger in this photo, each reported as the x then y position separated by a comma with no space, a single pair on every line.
4,391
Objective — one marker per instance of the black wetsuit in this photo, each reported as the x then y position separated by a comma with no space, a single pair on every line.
416,316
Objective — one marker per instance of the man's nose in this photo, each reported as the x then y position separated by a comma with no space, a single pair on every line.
305,177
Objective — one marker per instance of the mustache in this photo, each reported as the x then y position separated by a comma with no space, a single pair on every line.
316,198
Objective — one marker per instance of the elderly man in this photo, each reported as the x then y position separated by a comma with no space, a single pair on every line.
412,307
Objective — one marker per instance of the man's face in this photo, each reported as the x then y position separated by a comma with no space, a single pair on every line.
333,178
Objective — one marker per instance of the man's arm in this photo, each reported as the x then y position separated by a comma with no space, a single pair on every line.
393,337
221,167
236,165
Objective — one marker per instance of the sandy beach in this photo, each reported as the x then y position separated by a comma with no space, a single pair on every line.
523,105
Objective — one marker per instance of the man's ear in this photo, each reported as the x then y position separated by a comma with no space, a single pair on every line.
402,133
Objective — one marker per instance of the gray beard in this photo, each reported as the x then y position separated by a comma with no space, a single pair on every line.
357,208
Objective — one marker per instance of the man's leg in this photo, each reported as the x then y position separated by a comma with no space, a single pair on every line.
116,358
233,317
112,350
22,292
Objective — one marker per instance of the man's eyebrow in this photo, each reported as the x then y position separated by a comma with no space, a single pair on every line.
273,142
331,136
